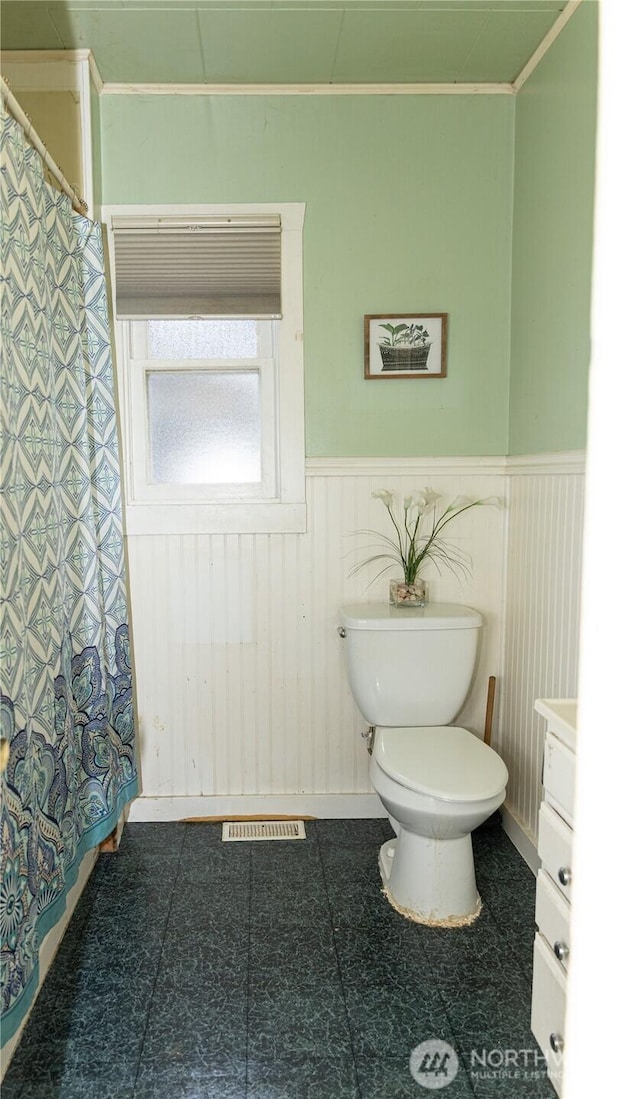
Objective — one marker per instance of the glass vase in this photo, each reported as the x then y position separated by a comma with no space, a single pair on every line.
405,594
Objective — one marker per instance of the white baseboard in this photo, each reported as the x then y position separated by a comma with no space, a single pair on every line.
290,805
521,838
49,947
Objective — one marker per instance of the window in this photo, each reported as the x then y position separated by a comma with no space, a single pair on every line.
203,410
208,310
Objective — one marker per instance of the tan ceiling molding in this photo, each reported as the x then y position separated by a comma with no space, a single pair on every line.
307,89
546,43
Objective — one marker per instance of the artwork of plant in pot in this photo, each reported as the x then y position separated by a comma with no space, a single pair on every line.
405,348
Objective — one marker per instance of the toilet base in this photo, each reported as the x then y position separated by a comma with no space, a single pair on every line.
452,921
430,881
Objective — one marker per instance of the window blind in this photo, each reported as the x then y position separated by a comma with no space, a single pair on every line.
177,267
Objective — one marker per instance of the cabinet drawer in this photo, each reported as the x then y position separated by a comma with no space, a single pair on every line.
559,776
554,848
548,1007
552,917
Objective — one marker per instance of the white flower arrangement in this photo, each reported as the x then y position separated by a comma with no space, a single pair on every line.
418,537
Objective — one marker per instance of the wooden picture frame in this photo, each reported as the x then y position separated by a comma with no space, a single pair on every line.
405,345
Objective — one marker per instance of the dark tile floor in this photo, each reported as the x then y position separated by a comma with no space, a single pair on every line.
195,969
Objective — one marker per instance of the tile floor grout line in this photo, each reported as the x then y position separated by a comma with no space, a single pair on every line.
155,979
337,954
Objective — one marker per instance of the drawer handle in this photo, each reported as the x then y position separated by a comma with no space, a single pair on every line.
561,950
556,1041
564,875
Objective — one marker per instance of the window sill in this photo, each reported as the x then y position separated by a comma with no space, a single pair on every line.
222,518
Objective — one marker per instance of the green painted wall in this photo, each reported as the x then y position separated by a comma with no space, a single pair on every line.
552,243
408,209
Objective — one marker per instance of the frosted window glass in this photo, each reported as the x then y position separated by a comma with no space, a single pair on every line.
202,339
204,427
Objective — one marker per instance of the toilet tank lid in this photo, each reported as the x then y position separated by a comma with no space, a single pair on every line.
434,616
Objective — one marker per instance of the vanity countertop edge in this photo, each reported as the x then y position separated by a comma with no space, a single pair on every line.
561,717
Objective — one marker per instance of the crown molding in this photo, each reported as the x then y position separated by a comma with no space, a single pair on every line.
307,89
547,42
94,72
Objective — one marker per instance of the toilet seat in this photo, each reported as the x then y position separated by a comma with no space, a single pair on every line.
442,761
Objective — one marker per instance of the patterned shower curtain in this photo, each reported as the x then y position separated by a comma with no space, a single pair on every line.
66,704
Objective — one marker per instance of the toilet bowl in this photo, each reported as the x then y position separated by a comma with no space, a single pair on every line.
410,671
437,784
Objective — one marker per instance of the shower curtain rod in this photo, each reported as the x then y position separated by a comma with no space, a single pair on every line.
16,111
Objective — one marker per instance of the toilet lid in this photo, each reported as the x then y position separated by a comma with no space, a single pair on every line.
443,760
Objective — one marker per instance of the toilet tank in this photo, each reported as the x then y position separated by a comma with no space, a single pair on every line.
409,667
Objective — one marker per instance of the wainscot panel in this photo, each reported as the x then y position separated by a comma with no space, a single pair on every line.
544,560
241,681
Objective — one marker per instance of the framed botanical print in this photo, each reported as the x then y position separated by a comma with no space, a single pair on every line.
405,345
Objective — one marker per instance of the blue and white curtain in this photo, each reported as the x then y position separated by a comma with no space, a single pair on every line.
66,705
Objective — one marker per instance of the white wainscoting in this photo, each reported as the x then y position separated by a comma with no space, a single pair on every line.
243,700
544,555
242,694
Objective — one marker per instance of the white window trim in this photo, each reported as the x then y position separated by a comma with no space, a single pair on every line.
286,513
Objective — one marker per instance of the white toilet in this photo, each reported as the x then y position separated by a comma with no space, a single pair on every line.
410,671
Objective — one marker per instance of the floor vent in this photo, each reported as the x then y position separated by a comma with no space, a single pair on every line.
236,831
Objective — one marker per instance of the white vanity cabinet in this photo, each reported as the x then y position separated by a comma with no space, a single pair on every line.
552,948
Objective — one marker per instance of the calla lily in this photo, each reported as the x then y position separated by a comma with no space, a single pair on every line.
411,548
430,496
462,502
